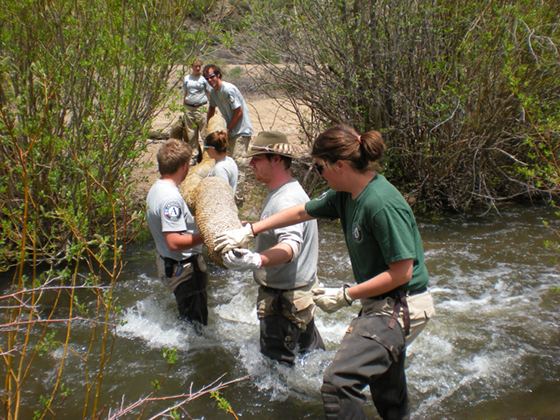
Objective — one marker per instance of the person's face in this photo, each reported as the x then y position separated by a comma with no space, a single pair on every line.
327,172
196,69
262,168
211,152
212,79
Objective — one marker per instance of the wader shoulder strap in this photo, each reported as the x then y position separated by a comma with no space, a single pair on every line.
400,302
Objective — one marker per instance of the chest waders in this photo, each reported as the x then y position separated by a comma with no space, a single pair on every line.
372,353
279,336
191,294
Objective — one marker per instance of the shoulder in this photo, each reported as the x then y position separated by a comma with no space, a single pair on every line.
291,193
384,196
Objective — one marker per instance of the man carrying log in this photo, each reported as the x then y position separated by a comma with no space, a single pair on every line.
233,108
180,264
285,262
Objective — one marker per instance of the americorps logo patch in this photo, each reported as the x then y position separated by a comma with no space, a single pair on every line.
357,232
322,196
172,212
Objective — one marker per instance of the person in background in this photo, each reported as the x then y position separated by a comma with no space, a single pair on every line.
233,108
195,96
225,167
388,265
284,263
180,264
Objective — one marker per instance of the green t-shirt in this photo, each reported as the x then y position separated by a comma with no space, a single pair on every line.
379,228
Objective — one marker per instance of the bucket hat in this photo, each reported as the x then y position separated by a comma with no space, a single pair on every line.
273,142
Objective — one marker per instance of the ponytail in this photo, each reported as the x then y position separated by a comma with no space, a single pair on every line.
341,142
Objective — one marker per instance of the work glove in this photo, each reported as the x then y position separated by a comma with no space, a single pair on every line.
237,238
241,259
331,299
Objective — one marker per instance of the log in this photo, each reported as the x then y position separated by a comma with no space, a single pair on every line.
210,199
216,212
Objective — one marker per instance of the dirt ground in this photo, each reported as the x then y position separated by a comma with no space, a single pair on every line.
267,114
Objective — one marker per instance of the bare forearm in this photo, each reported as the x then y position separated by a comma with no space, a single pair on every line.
179,242
277,255
398,274
237,114
290,216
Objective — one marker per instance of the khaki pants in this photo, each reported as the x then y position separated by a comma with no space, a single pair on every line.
237,147
195,125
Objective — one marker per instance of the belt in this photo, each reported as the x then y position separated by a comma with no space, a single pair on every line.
279,301
198,105
170,264
393,293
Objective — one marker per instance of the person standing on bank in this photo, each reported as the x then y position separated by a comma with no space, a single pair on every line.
284,263
233,108
387,258
180,264
225,167
195,96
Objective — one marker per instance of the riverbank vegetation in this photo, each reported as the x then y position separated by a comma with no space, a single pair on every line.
465,93
80,83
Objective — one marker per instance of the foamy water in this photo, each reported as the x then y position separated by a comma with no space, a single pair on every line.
492,351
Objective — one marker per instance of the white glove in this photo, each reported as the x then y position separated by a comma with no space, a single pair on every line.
237,238
331,299
241,259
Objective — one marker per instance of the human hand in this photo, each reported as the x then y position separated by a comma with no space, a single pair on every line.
237,238
331,299
241,259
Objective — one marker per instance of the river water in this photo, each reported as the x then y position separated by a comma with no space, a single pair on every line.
492,352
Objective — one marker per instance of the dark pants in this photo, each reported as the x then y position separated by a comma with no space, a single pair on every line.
192,298
370,354
280,338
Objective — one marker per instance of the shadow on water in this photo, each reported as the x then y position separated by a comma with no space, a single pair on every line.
491,353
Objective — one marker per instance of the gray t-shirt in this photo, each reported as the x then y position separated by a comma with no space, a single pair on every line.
226,169
303,270
168,212
228,98
196,89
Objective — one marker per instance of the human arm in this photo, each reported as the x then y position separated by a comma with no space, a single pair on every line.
399,273
332,299
243,259
287,217
237,114
211,111
239,238
177,241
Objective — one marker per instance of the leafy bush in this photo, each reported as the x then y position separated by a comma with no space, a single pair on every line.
451,85
80,82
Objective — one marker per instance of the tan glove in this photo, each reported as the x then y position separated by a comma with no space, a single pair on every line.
237,238
331,299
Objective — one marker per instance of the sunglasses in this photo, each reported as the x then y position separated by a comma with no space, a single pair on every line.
319,168
208,147
210,77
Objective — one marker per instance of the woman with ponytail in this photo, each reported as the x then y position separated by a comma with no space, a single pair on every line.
387,258
216,146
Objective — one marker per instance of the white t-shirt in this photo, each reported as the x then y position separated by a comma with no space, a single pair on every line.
168,212
302,270
228,98
196,89
226,169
